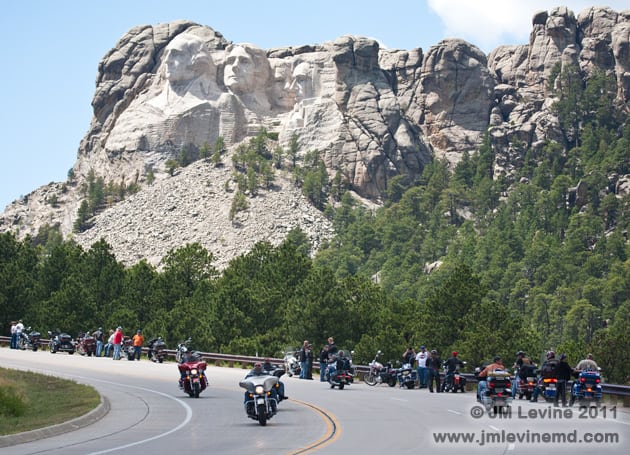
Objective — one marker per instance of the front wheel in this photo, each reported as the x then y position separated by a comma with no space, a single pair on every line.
35,348
370,379
262,414
196,389
341,386
392,382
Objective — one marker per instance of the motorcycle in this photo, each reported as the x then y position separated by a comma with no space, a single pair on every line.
127,348
30,340
453,382
291,364
193,373
526,382
407,376
182,348
380,373
60,341
547,388
498,395
260,402
86,344
587,388
157,350
339,372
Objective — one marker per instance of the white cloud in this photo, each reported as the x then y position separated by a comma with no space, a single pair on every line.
489,23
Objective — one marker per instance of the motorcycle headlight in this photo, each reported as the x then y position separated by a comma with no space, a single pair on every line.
259,390
193,371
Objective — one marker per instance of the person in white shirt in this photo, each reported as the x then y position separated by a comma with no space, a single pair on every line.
423,372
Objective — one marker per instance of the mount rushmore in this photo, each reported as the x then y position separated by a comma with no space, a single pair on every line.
371,113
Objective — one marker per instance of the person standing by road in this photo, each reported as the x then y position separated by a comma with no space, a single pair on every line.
564,376
138,342
434,363
13,344
423,373
98,336
323,363
117,342
303,359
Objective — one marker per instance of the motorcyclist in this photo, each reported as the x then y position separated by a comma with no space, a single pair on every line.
151,343
258,370
188,356
547,370
451,364
409,356
482,385
270,368
433,365
587,364
521,361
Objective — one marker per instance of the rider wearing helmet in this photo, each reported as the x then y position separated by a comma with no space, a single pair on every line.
549,369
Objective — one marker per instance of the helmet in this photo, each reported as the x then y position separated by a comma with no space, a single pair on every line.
496,358
454,353
551,355
520,353
433,351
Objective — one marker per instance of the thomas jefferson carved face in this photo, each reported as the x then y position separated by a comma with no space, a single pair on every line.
239,70
185,59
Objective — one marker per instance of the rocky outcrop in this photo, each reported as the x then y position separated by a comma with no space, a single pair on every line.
371,113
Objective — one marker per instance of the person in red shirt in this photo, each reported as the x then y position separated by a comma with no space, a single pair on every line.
117,342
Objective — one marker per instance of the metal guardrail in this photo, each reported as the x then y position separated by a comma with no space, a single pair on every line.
248,362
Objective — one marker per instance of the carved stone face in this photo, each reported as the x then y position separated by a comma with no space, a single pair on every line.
239,72
185,59
302,83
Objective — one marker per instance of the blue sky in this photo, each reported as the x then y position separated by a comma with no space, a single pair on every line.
52,50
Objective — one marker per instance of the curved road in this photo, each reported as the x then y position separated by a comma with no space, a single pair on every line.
149,414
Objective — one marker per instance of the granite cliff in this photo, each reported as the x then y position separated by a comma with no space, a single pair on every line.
370,113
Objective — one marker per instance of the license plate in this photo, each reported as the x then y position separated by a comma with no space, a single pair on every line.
260,401
500,390
552,387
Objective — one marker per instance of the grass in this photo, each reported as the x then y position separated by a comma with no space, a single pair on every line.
29,401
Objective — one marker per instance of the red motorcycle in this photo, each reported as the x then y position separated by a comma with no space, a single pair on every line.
86,344
193,376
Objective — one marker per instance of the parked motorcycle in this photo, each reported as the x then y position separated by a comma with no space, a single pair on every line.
291,363
498,395
339,371
157,350
86,344
260,402
587,388
29,339
127,348
60,342
407,376
379,373
182,348
193,373
453,382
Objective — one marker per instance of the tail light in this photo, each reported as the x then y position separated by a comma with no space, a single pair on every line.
582,380
491,384
597,381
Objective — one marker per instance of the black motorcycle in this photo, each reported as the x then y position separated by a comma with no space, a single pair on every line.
157,350
60,342
379,373
29,339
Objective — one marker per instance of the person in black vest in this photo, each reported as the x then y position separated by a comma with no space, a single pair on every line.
564,375
549,369
434,363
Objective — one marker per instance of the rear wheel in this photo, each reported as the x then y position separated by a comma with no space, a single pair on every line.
370,379
392,382
262,414
341,386
70,352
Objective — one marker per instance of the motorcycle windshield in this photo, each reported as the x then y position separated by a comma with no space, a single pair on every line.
250,383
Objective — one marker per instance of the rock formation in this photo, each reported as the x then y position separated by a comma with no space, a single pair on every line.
370,113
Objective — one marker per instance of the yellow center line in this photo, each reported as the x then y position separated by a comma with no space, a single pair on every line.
333,430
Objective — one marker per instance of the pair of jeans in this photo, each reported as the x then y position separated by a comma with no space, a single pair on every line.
117,351
137,352
423,376
303,368
99,348
322,371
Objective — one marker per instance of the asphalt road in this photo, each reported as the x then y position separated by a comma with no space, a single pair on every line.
145,412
